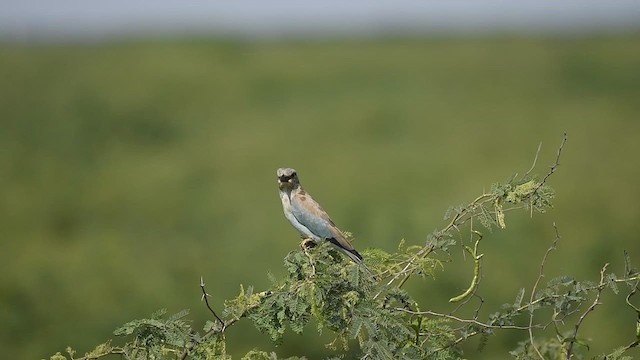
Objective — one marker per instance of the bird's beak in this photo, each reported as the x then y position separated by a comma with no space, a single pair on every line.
285,179
285,182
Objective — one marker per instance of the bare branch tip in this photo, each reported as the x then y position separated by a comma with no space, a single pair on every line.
535,159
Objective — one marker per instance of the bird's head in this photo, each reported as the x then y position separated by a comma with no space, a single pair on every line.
287,178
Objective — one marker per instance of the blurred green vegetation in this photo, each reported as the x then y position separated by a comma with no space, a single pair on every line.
130,170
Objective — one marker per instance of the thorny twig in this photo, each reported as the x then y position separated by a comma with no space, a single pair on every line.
595,303
205,297
467,321
535,286
455,342
223,325
555,165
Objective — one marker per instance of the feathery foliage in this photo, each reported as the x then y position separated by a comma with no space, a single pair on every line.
367,305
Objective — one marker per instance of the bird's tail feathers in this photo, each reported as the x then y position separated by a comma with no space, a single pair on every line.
351,253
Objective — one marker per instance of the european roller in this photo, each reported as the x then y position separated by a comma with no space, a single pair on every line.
306,215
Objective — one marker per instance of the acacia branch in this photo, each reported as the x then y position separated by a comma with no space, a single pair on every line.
535,286
223,325
555,165
595,303
460,218
637,310
455,342
466,321
205,297
112,351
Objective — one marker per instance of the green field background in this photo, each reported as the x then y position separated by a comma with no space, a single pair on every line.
128,170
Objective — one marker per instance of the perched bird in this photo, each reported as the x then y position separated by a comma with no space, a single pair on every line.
306,215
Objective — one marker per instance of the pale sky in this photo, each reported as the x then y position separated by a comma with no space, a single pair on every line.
91,19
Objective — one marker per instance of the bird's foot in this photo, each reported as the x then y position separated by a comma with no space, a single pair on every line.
307,243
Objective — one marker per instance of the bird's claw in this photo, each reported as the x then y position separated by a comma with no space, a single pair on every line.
307,243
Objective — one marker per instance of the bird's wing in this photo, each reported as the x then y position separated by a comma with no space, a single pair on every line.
309,213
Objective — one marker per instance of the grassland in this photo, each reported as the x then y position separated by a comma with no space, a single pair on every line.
130,170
